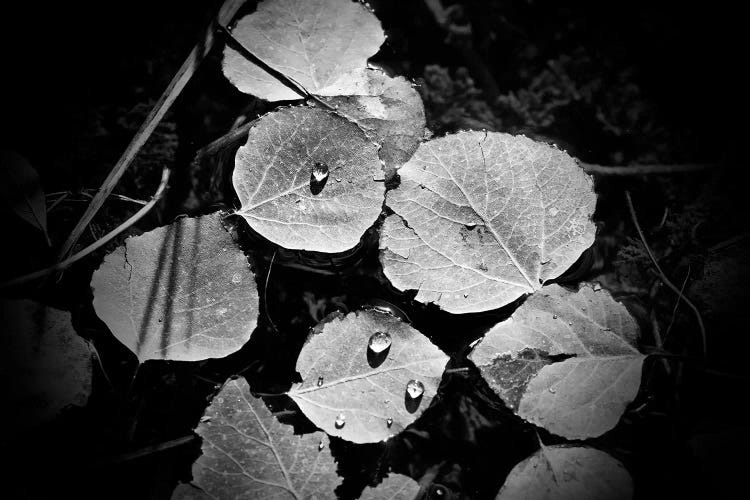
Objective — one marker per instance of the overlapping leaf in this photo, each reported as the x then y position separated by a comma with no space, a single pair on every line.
483,218
272,178
21,190
248,453
568,473
389,111
181,292
582,396
342,378
46,365
312,42
393,487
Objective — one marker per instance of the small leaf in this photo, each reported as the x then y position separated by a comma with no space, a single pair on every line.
248,453
566,473
313,42
364,389
272,178
393,487
388,110
582,396
484,218
182,292
46,365
21,190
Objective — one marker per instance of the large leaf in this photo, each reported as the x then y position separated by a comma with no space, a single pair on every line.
582,396
248,453
483,218
389,111
568,473
343,377
181,292
313,42
46,365
393,487
21,190
272,178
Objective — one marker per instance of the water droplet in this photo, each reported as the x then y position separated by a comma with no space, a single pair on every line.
379,342
319,171
470,225
551,390
570,323
554,316
236,278
389,422
340,421
321,445
597,287
338,179
414,389
320,381
466,295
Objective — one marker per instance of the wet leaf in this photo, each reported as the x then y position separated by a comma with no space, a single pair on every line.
313,42
21,190
388,110
46,365
362,388
248,453
273,172
484,218
183,292
568,473
583,395
395,486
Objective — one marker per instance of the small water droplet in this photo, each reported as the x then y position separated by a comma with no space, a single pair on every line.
551,390
466,295
338,179
379,342
389,422
414,389
570,323
597,287
554,316
321,445
320,381
470,225
545,262
236,278
340,421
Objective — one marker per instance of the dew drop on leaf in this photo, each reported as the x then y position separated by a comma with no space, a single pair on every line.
554,316
414,389
320,381
340,421
318,177
321,445
389,422
379,342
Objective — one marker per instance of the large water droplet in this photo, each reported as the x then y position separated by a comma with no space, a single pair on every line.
318,177
340,421
320,381
389,422
379,342
414,389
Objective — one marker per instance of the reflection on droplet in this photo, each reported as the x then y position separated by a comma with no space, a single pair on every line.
340,421
379,342
321,445
320,381
414,389
319,171
389,422
554,316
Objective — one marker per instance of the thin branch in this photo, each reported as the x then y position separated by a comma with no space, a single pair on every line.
225,15
623,170
97,244
662,276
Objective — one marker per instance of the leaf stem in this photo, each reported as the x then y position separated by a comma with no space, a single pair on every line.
624,170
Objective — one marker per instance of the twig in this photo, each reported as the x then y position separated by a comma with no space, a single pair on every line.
663,276
591,168
148,450
227,11
97,244
676,305
265,292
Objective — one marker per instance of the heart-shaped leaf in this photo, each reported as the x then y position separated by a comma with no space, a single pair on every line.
483,218
358,392
46,365
582,396
183,292
567,473
21,190
393,487
313,42
282,198
248,453
389,111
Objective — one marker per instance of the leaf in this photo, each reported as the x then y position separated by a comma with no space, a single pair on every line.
248,453
388,110
395,486
21,190
484,218
182,292
582,396
313,42
568,473
273,172
364,388
46,365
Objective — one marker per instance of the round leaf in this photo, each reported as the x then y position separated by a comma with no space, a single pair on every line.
484,218
248,453
273,172
568,473
343,377
313,42
183,292
583,395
